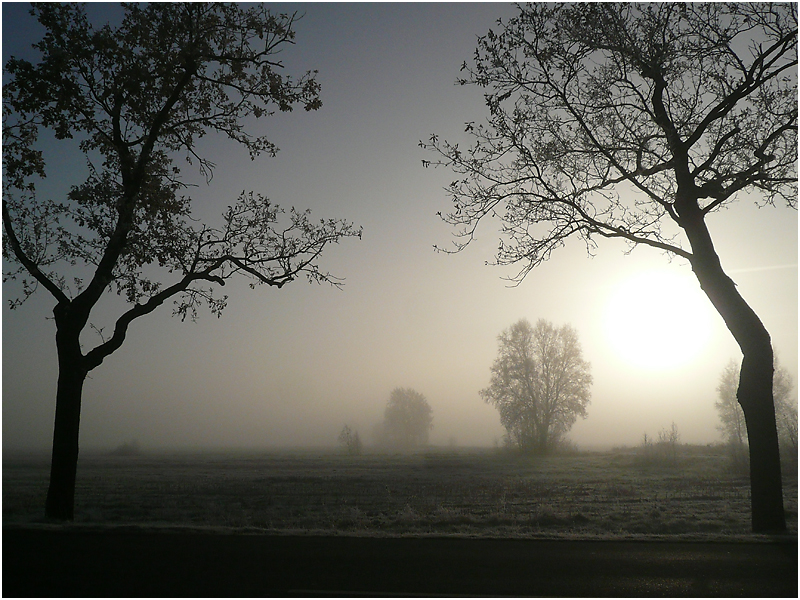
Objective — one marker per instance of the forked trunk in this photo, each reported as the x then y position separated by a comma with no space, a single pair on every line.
64,463
755,381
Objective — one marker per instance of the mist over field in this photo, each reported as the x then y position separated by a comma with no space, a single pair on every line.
290,367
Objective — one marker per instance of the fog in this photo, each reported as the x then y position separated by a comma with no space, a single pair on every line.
290,367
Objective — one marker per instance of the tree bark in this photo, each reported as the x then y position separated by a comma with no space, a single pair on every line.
755,381
71,375
756,398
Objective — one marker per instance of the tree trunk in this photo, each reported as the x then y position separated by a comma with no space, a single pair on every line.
543,444
64,463
755,396
755,381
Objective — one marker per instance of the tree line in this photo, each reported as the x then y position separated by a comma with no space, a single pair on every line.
539,385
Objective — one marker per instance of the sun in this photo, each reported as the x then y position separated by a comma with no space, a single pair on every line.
658,320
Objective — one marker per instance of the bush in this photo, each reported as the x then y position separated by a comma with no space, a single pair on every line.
663,451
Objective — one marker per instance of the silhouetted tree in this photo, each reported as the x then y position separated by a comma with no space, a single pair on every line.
350,441
408,419
639,121
731,415
540,384
135,98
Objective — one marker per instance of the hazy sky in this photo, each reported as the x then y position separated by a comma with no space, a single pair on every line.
292,366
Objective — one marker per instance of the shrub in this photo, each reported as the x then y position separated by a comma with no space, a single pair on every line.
663,451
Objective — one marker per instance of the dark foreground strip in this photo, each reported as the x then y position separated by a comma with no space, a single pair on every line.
69,562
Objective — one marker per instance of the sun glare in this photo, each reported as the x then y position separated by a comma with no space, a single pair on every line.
658,320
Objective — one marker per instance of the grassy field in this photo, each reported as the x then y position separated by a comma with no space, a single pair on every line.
438,491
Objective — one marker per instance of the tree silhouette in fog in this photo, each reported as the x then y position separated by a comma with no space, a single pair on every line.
732,421
135,99
350,441
638,122
731,417
407,420
540,384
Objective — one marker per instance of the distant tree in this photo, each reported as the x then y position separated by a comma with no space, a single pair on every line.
540,384
669,439
639,121
408,419
732,425
350,441
787,431
135,98
732,421
786,413
131,448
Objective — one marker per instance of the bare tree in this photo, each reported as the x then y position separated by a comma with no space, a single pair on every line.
136,98
638,122
408,419
731,415
669,439
540,384
350,441
785,413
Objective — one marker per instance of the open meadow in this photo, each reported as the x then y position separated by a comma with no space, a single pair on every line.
474,492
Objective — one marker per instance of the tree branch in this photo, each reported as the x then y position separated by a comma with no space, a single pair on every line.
23,258
96,356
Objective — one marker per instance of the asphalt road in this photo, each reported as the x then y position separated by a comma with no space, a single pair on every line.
59,562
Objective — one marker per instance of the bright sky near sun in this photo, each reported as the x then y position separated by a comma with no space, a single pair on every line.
292,366
656,320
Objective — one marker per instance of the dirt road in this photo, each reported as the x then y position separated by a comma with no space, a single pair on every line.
64,562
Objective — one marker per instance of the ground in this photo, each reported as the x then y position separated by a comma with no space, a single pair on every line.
617,494
435,522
